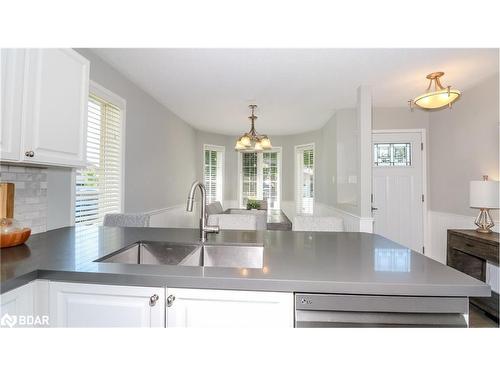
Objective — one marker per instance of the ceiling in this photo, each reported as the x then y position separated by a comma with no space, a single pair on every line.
296,90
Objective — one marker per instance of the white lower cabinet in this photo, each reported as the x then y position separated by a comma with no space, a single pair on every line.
227,308
16,305
44,303
25,306
94,305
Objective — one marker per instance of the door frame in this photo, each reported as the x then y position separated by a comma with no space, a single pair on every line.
425,187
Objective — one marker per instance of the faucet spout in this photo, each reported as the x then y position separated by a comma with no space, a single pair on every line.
204,228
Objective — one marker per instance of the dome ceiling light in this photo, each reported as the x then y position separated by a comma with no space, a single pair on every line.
436,97
253,141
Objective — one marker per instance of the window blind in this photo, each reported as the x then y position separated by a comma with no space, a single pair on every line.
213,172
305,179
98,186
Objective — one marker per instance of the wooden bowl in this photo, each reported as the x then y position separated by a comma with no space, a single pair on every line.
14,238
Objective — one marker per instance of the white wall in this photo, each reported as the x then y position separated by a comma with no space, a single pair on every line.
230,192
464,145
159,160
400,118
160,163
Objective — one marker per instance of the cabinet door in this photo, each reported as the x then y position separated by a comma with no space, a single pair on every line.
92,305
11,97
226,308
16,306
55,107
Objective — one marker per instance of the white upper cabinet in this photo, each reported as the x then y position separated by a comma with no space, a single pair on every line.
228,308
55,107
11,97
93,305
45,94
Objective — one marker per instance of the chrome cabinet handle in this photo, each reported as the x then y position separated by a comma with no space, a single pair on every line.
170,300
153,299
29,154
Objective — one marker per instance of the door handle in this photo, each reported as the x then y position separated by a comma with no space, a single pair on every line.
153,299
374,209
170,300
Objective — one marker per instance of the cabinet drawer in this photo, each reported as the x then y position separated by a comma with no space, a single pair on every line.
480,249
466,263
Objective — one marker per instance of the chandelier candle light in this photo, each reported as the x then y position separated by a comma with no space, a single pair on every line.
437,98
253,141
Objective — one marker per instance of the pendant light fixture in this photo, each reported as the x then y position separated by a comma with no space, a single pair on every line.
253,141
437,96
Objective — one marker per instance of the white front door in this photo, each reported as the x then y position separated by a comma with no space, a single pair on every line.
398,188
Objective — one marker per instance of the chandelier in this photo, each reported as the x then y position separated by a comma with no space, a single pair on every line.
437,98
253,141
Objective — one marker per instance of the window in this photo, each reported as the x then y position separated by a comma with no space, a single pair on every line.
99,185
260,177
304,178
391,154
270,179
249,177
213,172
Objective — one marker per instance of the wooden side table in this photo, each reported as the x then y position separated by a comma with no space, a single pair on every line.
469,251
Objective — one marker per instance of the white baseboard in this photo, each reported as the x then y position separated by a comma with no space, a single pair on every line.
439,223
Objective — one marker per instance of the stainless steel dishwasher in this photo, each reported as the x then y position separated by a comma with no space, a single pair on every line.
342,310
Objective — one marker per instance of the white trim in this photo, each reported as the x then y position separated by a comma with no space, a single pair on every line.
73,197
305,146
222,149
425,187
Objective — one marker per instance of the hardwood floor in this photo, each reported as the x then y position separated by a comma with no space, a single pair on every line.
478,319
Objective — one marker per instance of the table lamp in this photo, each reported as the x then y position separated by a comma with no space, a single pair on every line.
485,196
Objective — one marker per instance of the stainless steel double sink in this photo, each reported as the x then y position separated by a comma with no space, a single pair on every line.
179,254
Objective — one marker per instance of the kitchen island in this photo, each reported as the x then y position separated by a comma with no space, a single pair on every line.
293,262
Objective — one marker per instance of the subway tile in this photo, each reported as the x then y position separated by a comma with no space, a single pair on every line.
20,184
30,200
14,168
8,177
24,176
36,169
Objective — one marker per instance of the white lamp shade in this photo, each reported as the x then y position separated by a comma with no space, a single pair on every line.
484,194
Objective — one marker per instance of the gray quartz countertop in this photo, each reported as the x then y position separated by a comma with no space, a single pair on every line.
317,262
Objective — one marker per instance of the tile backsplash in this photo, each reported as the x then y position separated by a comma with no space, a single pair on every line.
30,199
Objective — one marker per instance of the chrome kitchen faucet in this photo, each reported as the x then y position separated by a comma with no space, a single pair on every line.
204,228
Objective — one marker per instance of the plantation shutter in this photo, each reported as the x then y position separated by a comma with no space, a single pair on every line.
305,179
270,173
213,172
249,177
98,187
